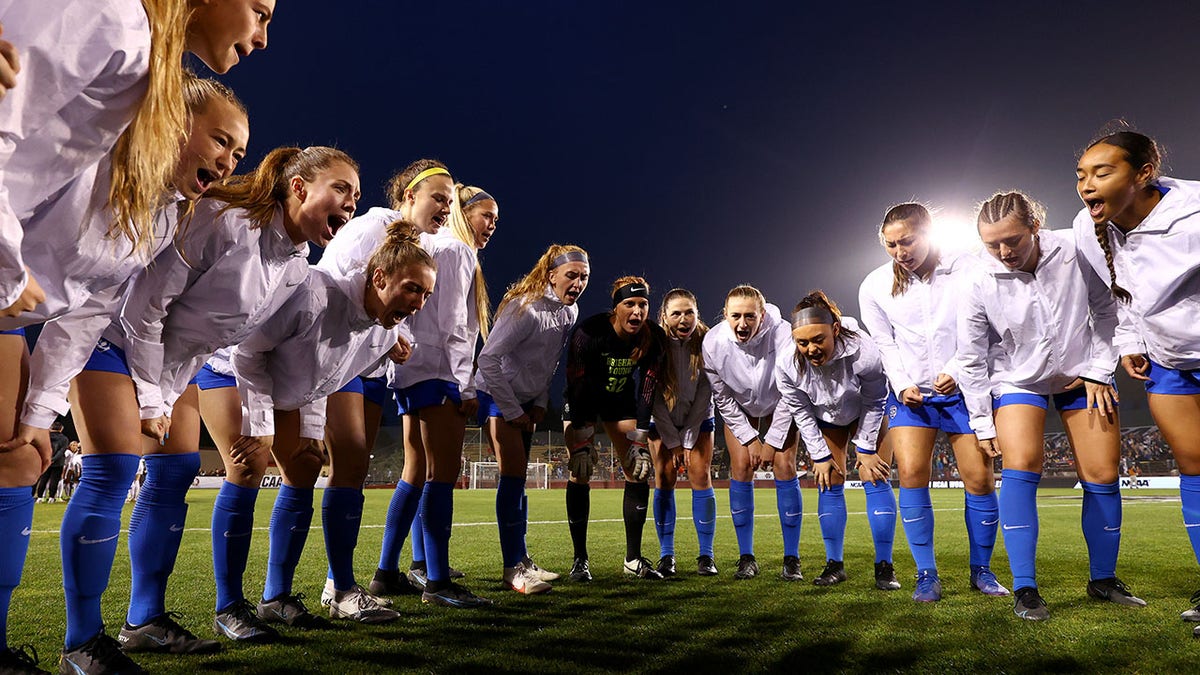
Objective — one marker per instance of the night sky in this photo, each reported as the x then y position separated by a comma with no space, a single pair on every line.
706,144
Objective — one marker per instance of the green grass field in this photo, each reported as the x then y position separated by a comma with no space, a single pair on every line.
690,623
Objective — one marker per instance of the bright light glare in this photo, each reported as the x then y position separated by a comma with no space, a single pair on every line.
955,232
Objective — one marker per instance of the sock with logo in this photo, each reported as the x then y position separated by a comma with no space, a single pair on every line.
579,506
341,518
1189,495
437,513
156,531
290,520
232,528
704,516
916,514
90,529
982,514
16,525
401,513
787,498
508,517
664,520
1019,521
741,508
1101,521
831,514
881,516
637,498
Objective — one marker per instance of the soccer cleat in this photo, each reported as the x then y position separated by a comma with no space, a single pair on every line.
164,634
524,580
240,623
1113,590
455,596
329,591
580,570
290,610
391,582
885,577
706,566
791,569
833,574
544,575
642,568
1192,614
358,605
419,578
457,574
666,566
99,655
747,567
1029,605
20,661
929,587
985,581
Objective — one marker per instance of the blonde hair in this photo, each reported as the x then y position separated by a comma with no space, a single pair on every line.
144,157
401,247
646,337
399,182
461,228
266,188
748,292
198,92
695,345
915,216
533,285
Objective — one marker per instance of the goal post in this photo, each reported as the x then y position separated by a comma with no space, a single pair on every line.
486,476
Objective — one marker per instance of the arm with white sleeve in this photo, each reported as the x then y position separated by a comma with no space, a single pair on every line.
730,410
514,325
781,419
1103,353
880,327
452,299
254,382
972,357
698,413
873,389
799,407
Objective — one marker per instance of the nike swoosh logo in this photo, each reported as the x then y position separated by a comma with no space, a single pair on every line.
1015,527
1111,529
913,520
1191,524
792,515
886,513
157,640
230,535
353,516
640,508
291,284
737,511
176,528
706,522
26,532
298,529
85,540
822,515
989,522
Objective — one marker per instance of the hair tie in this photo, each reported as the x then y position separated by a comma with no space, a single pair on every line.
569,257
635,289
811,315
432,171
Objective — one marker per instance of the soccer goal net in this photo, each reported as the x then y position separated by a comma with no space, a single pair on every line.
486,476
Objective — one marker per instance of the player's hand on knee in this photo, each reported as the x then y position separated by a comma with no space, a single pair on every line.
823,470
315,447
246,448
637,458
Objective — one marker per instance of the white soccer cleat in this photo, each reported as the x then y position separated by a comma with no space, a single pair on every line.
328,592
358,605
544,575
523,580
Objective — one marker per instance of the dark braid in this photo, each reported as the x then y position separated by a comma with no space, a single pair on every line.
1102,236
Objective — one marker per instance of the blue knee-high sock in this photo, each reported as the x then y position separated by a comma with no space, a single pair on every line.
1101,522
524,522
402,510
916,513
881,515
982,514
417,536
16,521
741,507
664,520
437,513
831,514
155,532
508,518
704,516
90,529
232,527
341,518
290,520
1019,519
787,498
1189,495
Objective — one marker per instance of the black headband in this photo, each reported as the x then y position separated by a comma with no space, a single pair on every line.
635,289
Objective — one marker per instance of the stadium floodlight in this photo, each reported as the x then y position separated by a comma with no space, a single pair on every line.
955,232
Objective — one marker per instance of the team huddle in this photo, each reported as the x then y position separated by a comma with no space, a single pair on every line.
172,292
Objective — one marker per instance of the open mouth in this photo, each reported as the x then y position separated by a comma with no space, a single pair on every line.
205,179
336,223
635,324
815,359
571,296
439,220
742,334
683,330
1095,207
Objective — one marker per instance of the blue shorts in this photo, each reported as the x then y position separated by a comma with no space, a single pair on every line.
706,426
1164,380
426,394
373,389
208,378
947,413
488,407
15,331
1075,399
107,358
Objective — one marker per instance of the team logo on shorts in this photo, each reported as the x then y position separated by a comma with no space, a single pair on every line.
103,345
892,412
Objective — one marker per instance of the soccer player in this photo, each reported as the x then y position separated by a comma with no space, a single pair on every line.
614,365
739,359
910,308
682,432
832,382
516,366
1033,326
1140,229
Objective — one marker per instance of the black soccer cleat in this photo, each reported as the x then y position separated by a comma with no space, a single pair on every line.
833,574
642,568
580,570
706,566
747,567
791,569
1029,605
290,610
20,661
885,577
164,634
666,566
239,622
99,656
1115,591
391,582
